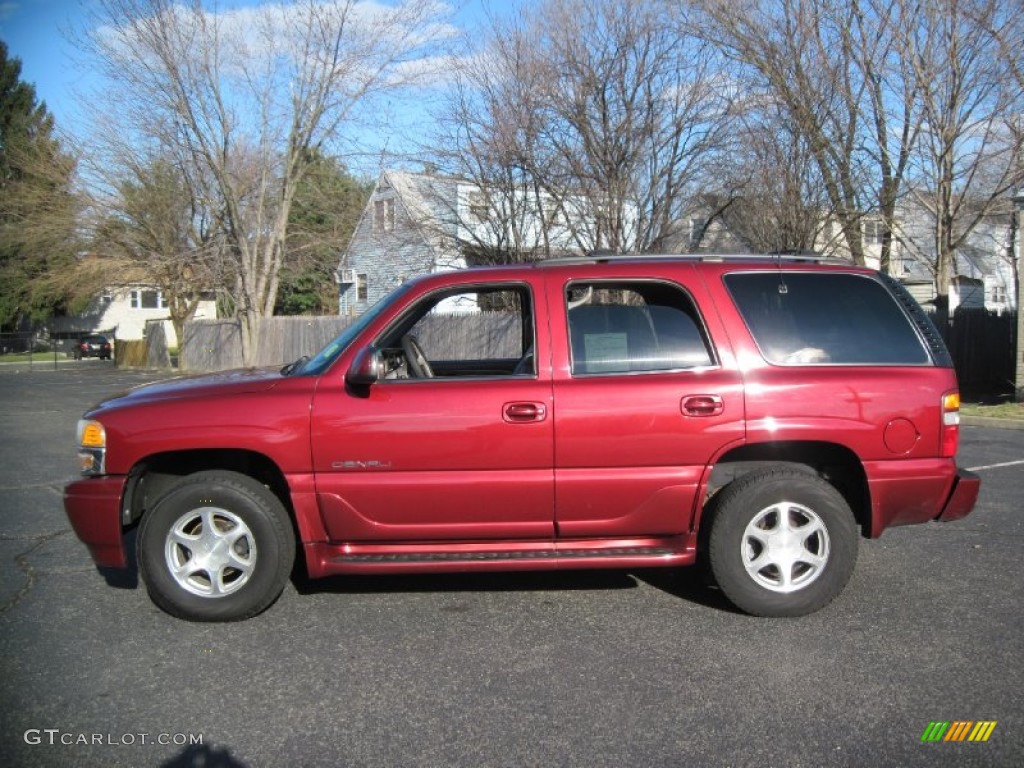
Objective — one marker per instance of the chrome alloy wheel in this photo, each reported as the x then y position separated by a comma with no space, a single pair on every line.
785,547
210,552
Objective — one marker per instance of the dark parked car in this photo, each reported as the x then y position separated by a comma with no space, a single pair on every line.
94,345
761,415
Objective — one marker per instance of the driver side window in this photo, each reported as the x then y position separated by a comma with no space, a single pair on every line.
480,331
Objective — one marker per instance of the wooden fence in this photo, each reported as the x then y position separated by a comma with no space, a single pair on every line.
215,345
981,343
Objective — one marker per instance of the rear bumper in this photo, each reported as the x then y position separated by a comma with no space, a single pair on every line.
910,492
93,505
962,498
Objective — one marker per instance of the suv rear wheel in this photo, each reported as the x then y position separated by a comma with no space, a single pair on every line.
217,547
783,542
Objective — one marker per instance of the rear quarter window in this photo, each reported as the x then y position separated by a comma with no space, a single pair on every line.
806,318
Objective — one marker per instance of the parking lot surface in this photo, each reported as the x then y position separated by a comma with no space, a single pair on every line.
572,669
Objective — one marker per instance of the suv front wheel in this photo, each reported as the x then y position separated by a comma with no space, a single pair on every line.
783,542
218,546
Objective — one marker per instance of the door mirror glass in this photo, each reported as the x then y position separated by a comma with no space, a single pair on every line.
366,368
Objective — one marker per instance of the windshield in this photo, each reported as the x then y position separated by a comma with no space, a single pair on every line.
323,359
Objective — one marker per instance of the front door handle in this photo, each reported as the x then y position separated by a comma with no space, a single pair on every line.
702,405
518,413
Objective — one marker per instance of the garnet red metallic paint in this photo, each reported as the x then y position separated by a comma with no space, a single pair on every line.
538,471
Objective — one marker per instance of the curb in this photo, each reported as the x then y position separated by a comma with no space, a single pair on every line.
990,422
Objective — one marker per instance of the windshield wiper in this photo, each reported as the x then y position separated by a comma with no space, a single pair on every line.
294,366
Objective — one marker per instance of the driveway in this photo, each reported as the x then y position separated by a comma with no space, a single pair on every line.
587,669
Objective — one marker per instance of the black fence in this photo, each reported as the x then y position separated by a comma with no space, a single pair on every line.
28,349
982,345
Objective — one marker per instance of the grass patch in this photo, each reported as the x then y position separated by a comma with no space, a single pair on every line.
1001,411
36,357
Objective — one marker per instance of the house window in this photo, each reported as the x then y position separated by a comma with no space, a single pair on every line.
384,215
552,212
874,232
697,227
362,287
147,299
478,208
998,294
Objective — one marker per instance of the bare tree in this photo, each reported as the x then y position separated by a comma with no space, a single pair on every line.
599,135
246,95
969,157
769,194
802,54
1009,35
489,137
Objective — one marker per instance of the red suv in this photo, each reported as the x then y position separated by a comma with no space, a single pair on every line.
760,415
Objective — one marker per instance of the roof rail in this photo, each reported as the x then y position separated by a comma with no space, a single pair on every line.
603,257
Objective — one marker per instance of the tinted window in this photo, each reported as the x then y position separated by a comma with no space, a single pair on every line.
629,327
800,318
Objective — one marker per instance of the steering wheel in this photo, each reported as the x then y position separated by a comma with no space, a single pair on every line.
415,359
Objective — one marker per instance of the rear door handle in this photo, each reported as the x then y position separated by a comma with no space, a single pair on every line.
518,413
702,405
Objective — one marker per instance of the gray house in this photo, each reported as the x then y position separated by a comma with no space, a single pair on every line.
417,223
407,229
421,222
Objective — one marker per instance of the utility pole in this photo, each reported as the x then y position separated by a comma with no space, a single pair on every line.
1018,226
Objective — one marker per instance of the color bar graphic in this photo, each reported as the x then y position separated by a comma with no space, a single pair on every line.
958,730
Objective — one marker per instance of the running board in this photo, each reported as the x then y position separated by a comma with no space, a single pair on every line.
542,554
323,559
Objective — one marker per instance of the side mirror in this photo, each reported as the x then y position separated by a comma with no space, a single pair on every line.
366,368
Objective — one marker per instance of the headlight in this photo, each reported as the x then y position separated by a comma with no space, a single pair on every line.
92,442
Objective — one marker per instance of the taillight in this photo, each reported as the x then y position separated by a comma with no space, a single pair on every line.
950,424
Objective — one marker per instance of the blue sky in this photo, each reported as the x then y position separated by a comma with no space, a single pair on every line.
39,33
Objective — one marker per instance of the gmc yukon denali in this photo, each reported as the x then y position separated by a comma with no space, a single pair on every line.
759,415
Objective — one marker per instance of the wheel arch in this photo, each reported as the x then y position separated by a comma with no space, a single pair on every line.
833,462
154,475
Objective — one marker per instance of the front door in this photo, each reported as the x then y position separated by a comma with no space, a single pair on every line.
455,442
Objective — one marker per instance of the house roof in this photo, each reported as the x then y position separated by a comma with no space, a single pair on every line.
430,202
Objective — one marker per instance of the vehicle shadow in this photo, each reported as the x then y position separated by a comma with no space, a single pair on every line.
687,584
124,578
518,581
204,756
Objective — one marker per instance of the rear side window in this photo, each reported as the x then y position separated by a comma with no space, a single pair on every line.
632,327
804,318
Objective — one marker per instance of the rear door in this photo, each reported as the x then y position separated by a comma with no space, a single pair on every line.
643,401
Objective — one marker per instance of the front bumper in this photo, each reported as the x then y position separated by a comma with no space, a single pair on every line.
93,505
962,498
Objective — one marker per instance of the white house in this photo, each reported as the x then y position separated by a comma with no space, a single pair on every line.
983,269
123,312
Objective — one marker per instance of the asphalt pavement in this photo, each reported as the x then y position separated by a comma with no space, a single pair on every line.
573,669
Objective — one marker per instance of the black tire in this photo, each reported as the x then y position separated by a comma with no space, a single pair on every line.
764,566
239,527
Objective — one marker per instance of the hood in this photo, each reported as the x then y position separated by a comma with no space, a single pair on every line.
235,382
